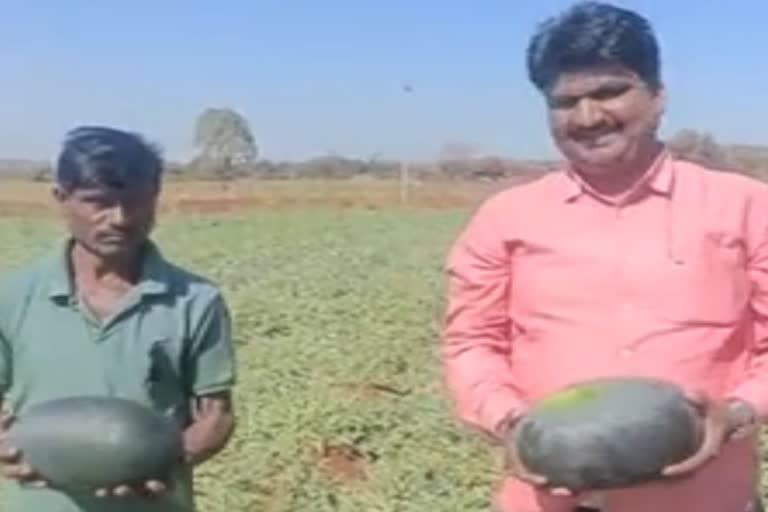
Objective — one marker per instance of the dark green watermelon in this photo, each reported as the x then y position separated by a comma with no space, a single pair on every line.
84,442
608,433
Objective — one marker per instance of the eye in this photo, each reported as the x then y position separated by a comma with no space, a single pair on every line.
609,92
562,102
97,202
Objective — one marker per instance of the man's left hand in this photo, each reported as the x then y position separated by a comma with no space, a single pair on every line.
718,423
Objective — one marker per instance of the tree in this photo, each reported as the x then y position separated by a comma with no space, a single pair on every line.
225,142
698,147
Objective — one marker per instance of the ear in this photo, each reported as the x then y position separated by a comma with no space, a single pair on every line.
657,109
58,193
661,102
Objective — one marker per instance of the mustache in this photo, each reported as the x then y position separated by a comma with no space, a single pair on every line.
116,233
594,132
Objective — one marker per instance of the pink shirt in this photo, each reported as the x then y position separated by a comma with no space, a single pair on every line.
549,284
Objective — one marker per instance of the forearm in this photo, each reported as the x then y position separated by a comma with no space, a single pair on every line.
477,333
210,431
478,380
753,388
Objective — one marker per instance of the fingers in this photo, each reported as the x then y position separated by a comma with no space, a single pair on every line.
517,468
699,401
6,420
714,433
532,478
706,451
13,468
18,471
152,487
24,474
155,487
514,465
705,403
37,483
9,455
697,396
121,491
689,464
541,482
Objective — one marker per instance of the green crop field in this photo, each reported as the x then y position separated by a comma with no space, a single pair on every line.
339,399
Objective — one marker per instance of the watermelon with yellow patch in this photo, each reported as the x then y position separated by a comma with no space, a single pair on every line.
608,433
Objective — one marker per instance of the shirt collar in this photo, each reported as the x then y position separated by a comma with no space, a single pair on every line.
659,178
152,279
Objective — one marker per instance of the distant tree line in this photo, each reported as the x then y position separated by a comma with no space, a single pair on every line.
702,147
226,149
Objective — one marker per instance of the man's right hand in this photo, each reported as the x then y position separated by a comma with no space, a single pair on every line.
12,466
513,464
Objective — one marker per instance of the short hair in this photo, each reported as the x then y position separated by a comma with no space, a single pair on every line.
592,34
103,156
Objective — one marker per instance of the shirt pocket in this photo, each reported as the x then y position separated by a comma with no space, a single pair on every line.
705,283
162,379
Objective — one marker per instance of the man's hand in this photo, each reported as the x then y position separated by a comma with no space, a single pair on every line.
513,464
213,425
719,421
151,489
12,466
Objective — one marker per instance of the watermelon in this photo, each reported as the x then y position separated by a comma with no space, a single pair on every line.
84,443
607,433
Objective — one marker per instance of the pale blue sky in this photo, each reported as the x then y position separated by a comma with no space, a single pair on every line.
314,76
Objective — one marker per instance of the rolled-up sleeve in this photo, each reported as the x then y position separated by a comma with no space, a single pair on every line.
475,341
210,365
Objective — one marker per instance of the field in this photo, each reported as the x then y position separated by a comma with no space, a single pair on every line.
339,400
335,305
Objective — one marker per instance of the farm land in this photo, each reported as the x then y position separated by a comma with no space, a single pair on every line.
336,293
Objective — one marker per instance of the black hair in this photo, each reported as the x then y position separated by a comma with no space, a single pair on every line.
591,34
103,156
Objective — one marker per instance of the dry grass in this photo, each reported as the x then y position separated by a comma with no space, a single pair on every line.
199,197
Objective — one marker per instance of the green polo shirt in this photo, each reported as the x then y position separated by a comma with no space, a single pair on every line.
169,340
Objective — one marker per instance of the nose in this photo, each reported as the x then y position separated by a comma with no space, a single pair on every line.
588,114
118,215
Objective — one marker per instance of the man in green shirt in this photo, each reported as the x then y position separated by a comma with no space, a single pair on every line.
105,314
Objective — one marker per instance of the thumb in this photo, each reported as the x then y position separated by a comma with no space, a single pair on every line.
699,400
696,395
6,419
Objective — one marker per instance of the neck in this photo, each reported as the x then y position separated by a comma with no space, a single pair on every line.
90,267
618,181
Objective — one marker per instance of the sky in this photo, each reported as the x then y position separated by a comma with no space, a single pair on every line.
319,77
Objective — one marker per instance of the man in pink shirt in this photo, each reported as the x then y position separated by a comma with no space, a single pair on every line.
626,262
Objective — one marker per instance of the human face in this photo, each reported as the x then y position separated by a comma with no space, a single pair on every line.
604,120
110,223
